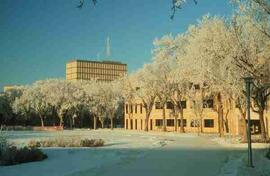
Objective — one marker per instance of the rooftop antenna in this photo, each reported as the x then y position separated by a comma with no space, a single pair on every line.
108,48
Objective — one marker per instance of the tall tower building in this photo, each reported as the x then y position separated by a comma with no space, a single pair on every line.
95,70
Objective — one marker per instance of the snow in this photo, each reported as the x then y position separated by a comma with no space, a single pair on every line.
139,153
236,165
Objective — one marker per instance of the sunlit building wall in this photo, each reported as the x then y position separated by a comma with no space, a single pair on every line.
209,122
95,70
9,87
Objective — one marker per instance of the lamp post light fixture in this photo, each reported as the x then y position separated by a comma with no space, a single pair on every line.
248,82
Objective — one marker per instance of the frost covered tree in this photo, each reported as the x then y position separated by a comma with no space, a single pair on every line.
145,89
35,100
95,102
129,91
211,49
222,54
21,106
163,65
6,102
77,99
112,94
5,110
91,102
9,99
211,53
252,59
62,95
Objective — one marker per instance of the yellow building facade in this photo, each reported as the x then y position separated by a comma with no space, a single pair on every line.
95,70
9,87
135,116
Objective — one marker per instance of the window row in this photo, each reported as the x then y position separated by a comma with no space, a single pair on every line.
100,65
95,68
137,108
98,71
209,103
208,123
88,76
93,71
170,105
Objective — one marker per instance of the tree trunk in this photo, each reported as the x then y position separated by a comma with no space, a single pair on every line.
61,122
70,122
182,130
226,123
263,130
243,124
201,124
198,129
164,118
244,130
95,122
41,121
102,123
267,127
146,120
175,121
111,123
220,116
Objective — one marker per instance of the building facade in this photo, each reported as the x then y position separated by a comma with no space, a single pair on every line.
135,116
95,70
9,87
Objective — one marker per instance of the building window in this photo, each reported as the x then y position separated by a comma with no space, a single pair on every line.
197,86
126,108
169,105
136,108
195,123
184,122
170,122
158,105
141,107
159,122
131,124
183,104
131,109
209,123
208,103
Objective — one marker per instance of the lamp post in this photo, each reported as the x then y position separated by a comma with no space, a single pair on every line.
248,81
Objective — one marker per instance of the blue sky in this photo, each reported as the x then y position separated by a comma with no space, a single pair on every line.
37,37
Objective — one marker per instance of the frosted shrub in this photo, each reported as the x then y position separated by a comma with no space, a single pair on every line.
98,142
60,142
14,155
10,154
92,142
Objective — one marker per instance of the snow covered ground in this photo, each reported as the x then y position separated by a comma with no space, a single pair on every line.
135,153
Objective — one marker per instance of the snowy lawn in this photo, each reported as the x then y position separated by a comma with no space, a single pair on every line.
135,153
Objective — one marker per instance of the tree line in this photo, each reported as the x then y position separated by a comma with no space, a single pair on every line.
67,100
